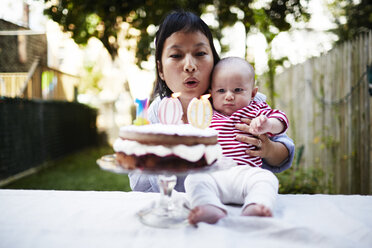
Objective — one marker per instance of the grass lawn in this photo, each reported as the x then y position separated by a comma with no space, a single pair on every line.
77,171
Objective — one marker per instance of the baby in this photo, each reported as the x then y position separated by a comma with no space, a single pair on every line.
233,90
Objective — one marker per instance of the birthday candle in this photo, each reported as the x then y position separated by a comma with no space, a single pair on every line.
170,110
199,112
141,112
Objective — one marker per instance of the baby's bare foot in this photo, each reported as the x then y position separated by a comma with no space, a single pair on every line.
206,213
257,210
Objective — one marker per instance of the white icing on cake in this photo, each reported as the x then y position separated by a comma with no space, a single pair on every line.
189,153
182,130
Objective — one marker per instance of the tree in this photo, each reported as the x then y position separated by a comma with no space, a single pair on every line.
102,19
351,18
84,19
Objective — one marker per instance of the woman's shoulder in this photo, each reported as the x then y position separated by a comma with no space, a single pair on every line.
259,97
156,101
152,113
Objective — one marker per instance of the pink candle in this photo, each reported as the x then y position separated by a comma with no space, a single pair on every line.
170,110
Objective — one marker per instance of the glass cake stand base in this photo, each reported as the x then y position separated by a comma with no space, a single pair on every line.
166,212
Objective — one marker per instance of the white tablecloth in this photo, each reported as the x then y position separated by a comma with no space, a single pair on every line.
32,218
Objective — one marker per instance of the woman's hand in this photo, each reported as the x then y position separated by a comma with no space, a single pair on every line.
274,153
261,141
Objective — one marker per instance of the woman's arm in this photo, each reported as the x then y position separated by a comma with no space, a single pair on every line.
277,153
143,182
284,141
149,183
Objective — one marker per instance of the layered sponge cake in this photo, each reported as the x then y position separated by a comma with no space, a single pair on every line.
174,148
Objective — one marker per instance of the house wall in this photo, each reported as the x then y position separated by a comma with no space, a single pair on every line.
11,59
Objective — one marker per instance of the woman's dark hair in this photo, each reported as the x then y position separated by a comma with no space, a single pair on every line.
174,22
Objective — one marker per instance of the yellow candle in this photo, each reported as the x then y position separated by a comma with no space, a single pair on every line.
200,112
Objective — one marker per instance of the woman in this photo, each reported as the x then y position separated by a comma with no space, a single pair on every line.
185,57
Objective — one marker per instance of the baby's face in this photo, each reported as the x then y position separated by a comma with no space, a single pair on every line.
232,89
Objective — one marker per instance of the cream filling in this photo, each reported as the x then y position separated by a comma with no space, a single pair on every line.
189,153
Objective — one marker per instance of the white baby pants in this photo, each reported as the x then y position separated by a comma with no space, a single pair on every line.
237,185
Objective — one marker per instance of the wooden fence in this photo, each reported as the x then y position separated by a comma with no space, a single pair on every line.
11,83
43,83
33,132
328,102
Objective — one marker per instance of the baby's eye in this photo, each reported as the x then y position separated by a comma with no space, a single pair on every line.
238,90
220,90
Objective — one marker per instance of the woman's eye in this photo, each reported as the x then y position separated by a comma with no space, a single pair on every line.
201,53
175,56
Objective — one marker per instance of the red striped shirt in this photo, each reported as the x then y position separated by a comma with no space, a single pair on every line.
225,125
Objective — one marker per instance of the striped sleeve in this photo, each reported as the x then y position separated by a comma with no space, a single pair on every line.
265,109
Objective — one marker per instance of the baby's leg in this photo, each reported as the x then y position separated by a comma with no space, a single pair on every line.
206,213
261,190
257,210
203,193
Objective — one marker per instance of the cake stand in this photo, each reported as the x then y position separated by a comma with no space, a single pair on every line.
166,212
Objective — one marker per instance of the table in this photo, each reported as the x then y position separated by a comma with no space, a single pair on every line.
37,218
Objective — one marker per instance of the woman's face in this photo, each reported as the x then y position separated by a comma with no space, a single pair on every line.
186,64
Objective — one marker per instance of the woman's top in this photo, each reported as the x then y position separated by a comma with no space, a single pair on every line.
148,183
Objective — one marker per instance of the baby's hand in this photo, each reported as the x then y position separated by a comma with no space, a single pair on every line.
260,125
